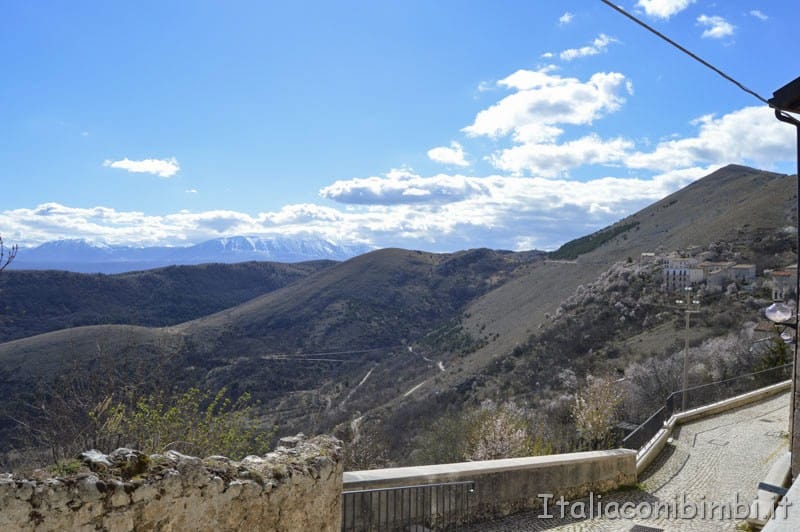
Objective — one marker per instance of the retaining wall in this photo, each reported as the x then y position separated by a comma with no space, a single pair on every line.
296,487
503,487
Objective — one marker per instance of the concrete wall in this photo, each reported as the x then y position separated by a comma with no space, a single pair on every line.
786,517
502,487
296,487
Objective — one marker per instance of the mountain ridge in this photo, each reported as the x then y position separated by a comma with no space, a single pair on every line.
81,255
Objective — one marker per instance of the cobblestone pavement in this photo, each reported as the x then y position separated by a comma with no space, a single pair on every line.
715,460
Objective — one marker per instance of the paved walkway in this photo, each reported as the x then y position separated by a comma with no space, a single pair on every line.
710,462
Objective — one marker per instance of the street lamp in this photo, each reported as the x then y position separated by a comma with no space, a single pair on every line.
779,313
787,100
692,307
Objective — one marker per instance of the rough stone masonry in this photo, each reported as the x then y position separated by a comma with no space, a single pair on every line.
296,487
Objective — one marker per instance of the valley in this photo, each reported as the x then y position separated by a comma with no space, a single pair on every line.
400,340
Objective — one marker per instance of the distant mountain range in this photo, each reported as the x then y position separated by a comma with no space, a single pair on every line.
79,255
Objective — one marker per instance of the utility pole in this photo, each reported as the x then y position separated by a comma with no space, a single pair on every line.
692,307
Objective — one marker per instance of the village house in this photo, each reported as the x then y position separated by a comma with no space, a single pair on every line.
680,272
784,282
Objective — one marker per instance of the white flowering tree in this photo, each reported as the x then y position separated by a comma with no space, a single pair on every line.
501,431
489,432
595,411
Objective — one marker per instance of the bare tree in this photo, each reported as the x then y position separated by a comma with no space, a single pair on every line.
6,253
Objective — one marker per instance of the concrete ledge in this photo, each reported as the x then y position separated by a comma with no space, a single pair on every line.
733,402
786,517
507,486
764,504
412,476
653,448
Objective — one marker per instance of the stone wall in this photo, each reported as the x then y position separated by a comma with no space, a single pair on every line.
296,487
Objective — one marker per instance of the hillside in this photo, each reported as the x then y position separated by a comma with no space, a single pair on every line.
734,204
361,312
398,337
521,348
35,302
373,304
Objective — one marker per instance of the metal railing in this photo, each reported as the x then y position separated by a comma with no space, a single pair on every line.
702,395
645,432
443,506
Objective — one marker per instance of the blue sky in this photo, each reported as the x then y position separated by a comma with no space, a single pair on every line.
429,125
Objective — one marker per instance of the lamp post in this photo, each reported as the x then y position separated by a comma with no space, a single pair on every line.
692,307
782,316
787,100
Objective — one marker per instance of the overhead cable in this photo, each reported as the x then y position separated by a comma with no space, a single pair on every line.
684,50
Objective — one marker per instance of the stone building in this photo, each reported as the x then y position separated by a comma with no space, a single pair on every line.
680,272
784,283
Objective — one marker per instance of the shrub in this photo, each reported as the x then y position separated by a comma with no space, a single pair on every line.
195,422
367,447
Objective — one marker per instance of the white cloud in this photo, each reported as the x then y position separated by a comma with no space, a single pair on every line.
53,221
663,8
439,212
453,155
599,45
511,212
461,212
551,159
716,27
543,99
191,191
534,116
566,18
758,14
402,187
301,213
160,167
750,136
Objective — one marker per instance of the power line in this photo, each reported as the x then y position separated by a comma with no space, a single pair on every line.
306,359
345,352
684,50
318,356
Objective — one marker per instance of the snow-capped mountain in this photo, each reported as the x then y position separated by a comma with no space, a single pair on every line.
279,249
84,256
